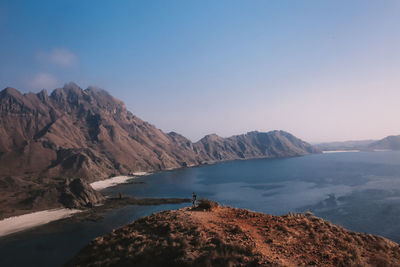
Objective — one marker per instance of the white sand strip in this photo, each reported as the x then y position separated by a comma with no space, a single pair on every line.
26,221
140,173
339,151
115,181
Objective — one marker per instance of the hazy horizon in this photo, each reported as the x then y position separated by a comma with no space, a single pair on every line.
321,70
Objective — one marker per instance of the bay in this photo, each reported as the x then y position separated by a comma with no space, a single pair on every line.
358,190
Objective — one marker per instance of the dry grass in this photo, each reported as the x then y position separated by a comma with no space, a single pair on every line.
221,236
206,204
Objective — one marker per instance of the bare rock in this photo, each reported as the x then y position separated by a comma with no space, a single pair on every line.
79,194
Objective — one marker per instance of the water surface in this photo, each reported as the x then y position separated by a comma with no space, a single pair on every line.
360,191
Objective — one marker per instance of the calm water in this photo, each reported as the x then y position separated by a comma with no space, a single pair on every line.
360,191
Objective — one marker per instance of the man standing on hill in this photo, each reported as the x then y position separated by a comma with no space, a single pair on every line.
194,199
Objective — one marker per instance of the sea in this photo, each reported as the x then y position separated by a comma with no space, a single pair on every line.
358,190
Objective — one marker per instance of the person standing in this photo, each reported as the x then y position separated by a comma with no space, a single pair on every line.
194,199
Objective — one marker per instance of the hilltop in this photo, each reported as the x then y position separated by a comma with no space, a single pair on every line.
224,236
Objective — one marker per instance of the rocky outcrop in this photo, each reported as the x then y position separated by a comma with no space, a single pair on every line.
79,194
224,236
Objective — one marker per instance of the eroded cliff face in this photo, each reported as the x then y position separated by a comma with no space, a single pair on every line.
78,194
89,134
80,133
224,236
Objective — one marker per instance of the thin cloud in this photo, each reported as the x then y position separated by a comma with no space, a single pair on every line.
58,56
44,80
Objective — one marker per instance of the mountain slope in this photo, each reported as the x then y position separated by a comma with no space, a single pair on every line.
345,145
390,143
89,134
75,132
252,145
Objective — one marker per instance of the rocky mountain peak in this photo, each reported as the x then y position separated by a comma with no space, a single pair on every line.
211,137
105,100
10,91
11,100
43,95
72,87
70,93
89,134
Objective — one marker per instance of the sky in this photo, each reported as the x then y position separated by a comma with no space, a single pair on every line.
321,70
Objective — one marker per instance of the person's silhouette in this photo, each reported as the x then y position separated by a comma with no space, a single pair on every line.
194,199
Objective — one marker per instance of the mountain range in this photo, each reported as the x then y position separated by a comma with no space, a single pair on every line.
46,139
388,143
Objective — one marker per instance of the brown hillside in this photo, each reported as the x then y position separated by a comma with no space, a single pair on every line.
89,134
235,237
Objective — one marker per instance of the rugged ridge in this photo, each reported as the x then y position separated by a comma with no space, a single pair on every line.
89,134
391,142
224,236
252,145
345,145
388,143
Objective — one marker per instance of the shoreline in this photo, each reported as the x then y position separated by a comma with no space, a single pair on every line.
116,180
339,151
19,223
28,221
14,224
124,179
10,225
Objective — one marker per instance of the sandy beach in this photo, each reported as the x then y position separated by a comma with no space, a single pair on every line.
18,223
339,151
99,185
26,221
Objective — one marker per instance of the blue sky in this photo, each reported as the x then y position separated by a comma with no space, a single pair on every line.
322,70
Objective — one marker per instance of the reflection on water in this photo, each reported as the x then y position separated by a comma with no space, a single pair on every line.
360,191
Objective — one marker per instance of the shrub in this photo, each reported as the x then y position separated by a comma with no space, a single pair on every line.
206,204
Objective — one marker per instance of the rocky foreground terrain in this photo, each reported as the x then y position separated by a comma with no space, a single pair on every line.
48,139
211,235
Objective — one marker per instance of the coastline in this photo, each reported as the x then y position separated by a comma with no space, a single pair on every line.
113,181
124,179
19,223
30,220
26,221
339,151
96,220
